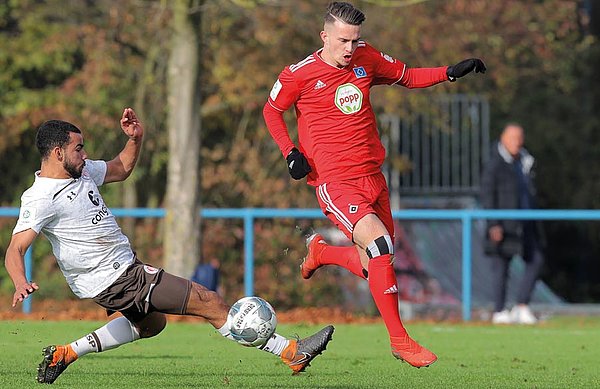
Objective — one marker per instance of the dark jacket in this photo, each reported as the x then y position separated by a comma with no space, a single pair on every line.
500,190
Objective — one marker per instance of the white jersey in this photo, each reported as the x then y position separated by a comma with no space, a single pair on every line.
87,242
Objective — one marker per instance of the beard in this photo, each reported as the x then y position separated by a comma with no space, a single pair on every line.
73,170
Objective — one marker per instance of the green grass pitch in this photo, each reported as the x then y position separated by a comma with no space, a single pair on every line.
561,353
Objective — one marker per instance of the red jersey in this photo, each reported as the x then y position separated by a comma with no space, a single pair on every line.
337,131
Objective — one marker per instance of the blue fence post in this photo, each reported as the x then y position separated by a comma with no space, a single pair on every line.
466,265
28,275
249,252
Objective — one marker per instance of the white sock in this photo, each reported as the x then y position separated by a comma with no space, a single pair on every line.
225,331
275,345
113,334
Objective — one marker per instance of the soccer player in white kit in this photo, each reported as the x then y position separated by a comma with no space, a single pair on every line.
64,203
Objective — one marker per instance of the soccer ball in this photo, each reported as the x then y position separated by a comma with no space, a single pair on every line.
252,321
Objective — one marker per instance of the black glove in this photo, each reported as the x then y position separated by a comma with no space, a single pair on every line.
465,67
297,164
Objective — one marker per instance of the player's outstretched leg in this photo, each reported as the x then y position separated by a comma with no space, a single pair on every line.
299,353
315,244
56,360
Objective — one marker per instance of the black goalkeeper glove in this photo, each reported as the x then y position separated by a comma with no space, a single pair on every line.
465,67
297,164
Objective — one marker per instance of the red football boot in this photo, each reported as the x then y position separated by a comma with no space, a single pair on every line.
406,349
315,244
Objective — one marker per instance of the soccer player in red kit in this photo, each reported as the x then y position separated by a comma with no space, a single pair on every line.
340,151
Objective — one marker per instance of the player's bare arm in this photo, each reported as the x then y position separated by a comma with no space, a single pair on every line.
122,165
14,262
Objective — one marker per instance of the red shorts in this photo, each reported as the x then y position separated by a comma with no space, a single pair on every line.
346,202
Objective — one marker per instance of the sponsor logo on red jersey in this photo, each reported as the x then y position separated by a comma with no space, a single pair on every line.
348,98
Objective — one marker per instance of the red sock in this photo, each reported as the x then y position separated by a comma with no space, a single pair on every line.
344,256
384,289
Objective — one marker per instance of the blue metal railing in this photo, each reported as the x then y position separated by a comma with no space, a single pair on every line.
465,216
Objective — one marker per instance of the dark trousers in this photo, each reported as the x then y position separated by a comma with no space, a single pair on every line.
534,259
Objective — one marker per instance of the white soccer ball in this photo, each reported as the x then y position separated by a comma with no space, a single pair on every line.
251,321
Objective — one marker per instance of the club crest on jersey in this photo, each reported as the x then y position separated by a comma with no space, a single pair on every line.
360,72
348,98
93,198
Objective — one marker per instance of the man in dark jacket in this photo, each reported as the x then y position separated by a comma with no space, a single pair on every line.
507,183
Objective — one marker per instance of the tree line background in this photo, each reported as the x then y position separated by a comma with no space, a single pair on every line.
84,61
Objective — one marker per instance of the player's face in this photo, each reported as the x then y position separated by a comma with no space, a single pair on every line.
74,156
339,42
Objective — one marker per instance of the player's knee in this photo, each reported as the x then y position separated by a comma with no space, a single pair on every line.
206,296
152,325
380,246
206,303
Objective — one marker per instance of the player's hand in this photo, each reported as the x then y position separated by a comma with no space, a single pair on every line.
465,67
131,125
298,166
23,291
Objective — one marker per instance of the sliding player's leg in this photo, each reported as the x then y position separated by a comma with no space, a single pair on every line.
176,295
143,295
113,334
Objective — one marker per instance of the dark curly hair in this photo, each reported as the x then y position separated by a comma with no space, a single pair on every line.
53,133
